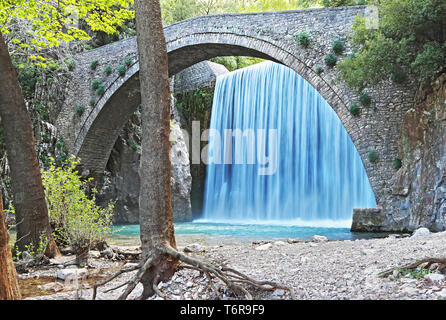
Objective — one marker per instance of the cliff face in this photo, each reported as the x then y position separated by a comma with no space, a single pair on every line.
420,183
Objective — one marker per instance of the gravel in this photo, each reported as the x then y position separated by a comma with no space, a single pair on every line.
328,270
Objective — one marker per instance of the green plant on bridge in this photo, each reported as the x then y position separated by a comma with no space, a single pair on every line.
319,70
365,99
373,156
354,109
331,60
100,89
303,39
121,70
79,110
128,61
397,163
94,64
108,70
338,46
95,84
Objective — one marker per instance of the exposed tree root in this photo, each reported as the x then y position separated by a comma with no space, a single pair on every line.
232,278
414,265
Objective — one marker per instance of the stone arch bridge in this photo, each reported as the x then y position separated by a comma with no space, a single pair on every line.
271,36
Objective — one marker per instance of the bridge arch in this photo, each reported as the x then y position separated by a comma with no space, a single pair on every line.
264,35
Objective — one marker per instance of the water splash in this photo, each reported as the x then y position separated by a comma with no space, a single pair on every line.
318,175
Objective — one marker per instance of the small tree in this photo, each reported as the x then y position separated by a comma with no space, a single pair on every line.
77,221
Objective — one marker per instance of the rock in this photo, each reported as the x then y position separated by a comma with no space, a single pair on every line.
291,241
435,277
71,273
317,238
94,254
442,293
52,286
264,247
421,232
279,243
194,247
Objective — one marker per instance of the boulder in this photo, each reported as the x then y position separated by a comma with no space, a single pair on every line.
194,247
421,232
317,238
71,273
264,247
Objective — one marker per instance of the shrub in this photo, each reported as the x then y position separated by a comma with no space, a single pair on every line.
303,39
121,70
95,84
338,46
100,90
108,70
94,64
354,109
46,138
331,60
80,110
76,219
365,99
397,163
92,101
128,61
319,69
398,76
373,156
70,64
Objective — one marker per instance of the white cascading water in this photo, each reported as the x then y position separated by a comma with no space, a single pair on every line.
290,162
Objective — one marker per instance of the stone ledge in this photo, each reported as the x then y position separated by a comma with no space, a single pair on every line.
368,220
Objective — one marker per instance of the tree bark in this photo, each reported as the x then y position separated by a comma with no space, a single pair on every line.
155,209
9,288
29,198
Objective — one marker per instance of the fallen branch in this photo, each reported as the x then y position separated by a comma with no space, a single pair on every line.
414,265
230,277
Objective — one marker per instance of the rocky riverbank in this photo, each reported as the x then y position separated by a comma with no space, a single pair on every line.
317,269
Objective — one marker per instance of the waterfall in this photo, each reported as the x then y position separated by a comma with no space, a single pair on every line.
278,153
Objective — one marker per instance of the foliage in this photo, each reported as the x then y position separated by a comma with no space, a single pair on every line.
413,273
373,156
303,39
92,102
128,61
79,110
35,253
121,70
94,64
342,3
132,144
108,70
233,63
75,217
398,76
365,99
411,36
397,163
49,23
354,109
95,84
319,69
338,46
331,60
43,111
100,90
70,64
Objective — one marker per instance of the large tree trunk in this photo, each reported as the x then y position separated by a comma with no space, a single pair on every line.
29,198
9,288
155,209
